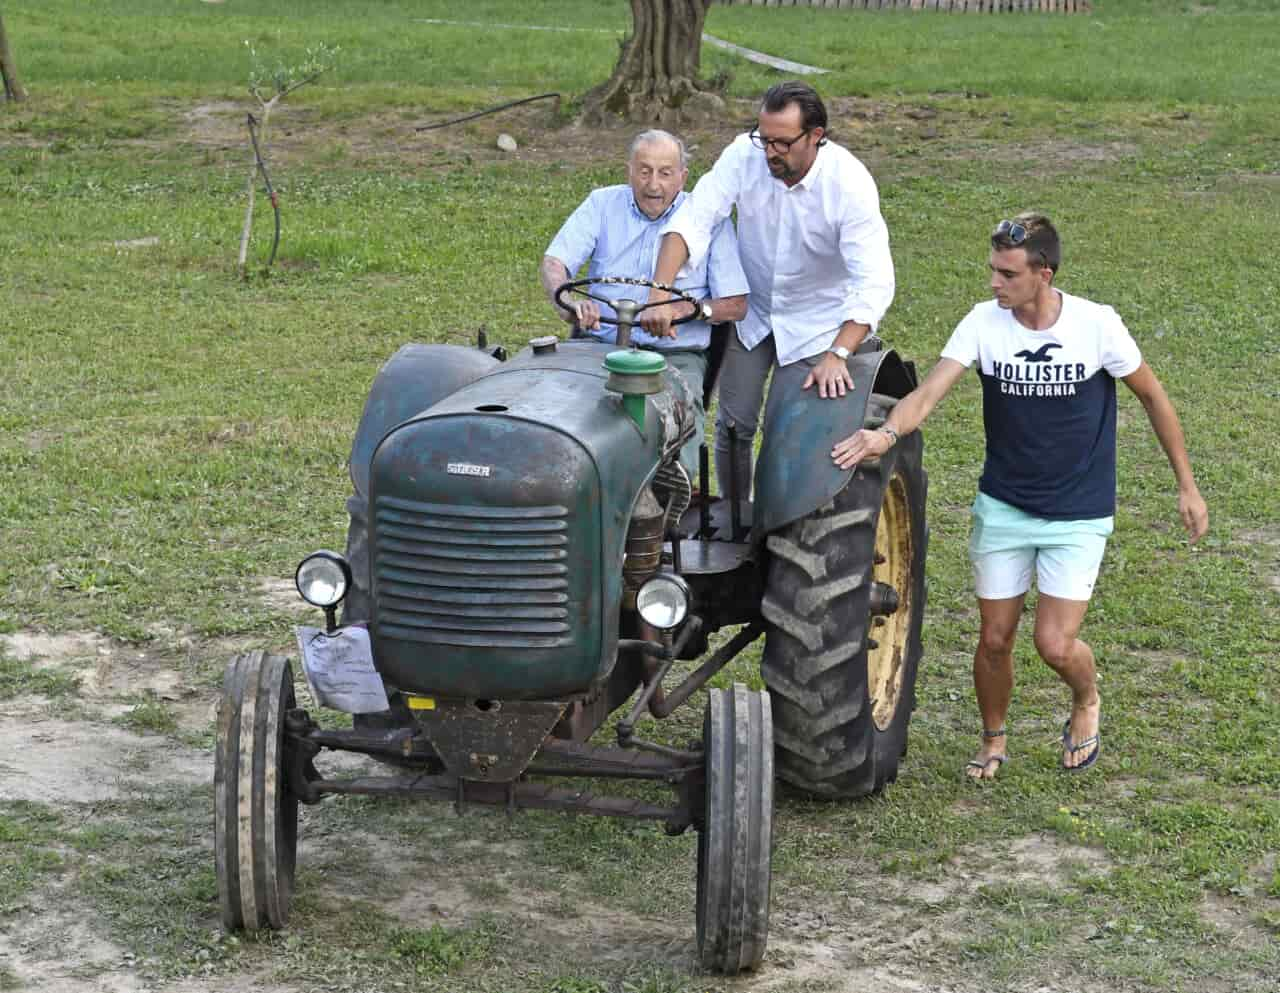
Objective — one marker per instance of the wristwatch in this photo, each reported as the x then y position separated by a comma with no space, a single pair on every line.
704,310
840,352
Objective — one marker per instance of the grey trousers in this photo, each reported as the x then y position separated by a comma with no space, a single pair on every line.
741,389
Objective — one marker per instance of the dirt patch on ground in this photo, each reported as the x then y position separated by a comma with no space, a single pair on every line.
55,951
50,760
825,949
886,933
282,595
1263,179
873,128
113,677
217,121
1038,859
408,885
1235,926
1056,155
387,139
1267,540
53,649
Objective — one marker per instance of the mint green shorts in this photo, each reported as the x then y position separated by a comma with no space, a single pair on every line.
1007,542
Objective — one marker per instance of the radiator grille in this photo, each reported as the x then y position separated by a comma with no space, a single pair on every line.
493,577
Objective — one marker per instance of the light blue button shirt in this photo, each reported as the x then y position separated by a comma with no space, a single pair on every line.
610,230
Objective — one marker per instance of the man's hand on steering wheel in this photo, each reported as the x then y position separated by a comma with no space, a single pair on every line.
677,306
663,312
584,314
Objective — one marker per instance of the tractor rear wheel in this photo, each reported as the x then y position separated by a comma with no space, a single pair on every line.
844,600
735,842
255,813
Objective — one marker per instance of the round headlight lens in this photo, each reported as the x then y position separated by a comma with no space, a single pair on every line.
663,602
323,578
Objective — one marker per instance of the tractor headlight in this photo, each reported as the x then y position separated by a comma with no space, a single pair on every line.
323,578
663,601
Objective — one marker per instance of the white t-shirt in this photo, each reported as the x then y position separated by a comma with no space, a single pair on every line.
1049,405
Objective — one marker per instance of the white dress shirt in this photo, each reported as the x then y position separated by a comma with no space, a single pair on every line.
816,254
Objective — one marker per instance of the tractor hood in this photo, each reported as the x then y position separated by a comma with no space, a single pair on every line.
498,520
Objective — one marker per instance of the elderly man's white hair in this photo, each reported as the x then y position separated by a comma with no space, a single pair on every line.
657,134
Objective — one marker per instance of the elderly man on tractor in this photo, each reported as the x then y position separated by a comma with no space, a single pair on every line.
618,230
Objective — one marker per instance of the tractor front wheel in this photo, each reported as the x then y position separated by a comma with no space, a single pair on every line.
255,813
844,600
736,840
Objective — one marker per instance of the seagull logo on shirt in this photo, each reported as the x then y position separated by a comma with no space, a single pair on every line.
1038,375
1041,354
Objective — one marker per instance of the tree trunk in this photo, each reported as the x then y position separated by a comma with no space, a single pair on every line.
9,69
656,78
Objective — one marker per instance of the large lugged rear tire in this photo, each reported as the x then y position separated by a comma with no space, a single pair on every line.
735,843
255,813
840,656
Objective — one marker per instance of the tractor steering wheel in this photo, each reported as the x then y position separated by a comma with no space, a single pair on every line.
576,286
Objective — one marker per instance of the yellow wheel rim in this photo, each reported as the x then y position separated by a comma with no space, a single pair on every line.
890,632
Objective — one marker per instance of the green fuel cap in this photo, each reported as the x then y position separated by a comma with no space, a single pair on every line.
633,362
635,374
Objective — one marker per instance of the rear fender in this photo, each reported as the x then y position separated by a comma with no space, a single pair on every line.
415,378
795,474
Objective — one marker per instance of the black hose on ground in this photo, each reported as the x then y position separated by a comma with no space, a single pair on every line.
491,110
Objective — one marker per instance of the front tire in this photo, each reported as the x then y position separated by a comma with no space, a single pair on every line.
840,655
255,813
735,843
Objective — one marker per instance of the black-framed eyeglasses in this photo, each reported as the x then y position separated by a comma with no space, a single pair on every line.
782,145
1011,231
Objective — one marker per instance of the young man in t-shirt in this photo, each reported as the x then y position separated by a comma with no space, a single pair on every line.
1048,362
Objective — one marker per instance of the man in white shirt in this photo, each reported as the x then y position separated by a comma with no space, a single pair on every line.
1048,362
815,249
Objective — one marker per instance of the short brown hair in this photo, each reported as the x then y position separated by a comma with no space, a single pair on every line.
1040,242
813,112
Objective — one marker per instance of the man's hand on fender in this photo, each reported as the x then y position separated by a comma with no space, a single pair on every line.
860,445
831,375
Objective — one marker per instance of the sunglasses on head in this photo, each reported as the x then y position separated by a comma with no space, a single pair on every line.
1011,231
1013,234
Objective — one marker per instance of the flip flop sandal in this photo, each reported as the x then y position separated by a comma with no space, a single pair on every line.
1094,741
981,765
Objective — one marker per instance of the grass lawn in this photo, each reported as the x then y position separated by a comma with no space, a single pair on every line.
173,439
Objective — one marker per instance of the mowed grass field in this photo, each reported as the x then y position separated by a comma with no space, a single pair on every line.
173,439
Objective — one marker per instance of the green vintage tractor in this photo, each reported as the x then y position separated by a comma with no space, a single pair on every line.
527,556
